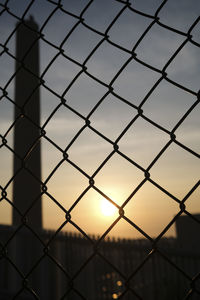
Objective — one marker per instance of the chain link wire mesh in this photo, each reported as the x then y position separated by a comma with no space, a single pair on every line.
70,266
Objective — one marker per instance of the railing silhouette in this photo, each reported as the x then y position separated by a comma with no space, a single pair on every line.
41,264
156,279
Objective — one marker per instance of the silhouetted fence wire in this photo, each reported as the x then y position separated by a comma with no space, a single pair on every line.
119,269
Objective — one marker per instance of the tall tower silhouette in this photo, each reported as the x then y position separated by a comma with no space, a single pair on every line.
27,161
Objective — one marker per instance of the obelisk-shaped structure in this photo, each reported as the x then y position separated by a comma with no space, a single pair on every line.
27,161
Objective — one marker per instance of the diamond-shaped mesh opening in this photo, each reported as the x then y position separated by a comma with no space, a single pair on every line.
66,123
144,136
101,21
6,63
162,105
116,172
99,150
187,138
184,66
59,80
162,48
144,207
170,284
89,146
89,208
84,94
181,165
62,28
80,52
122,34
135,82
112,117
106,62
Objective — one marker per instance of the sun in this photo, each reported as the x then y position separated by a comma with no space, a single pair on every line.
107,208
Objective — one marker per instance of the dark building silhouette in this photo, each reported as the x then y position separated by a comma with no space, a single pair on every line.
24,248
27,161
188,234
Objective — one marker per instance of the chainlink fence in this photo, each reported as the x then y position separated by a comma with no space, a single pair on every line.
52,264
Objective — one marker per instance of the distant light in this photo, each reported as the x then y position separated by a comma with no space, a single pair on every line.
114,296
119,283
108,276
107,208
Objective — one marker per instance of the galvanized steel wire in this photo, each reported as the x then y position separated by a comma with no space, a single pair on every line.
140,114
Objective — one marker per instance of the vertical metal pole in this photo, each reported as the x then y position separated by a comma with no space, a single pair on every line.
26,187
26,247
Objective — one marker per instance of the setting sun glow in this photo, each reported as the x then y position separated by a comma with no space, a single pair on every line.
107,208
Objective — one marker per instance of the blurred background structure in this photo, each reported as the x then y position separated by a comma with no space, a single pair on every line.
103,199
27,182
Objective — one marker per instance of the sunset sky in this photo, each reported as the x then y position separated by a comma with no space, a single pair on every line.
176,171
